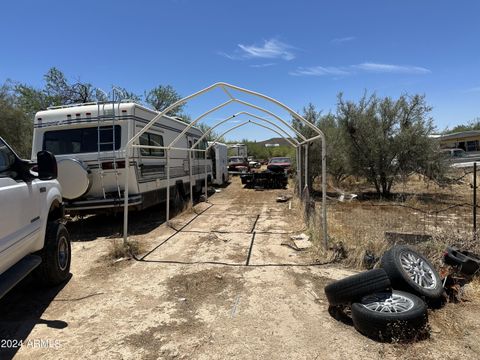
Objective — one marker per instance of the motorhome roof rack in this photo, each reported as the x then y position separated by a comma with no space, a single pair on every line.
90,103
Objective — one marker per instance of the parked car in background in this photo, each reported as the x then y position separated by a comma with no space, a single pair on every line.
454,153
32,236
254,164
238,164
280,162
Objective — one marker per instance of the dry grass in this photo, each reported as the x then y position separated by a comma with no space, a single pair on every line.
419,207
118,249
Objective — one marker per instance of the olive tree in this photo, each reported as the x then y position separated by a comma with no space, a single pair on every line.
387,140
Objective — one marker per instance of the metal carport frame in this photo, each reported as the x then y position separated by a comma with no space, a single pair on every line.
226,87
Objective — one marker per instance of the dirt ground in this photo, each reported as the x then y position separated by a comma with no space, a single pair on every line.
216,284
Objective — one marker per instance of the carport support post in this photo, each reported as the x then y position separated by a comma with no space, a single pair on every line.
191,176
125,197
324,193
168,186
206,180
299,172
306,164
475,200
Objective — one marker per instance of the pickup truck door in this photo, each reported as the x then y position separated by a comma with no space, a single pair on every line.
19,212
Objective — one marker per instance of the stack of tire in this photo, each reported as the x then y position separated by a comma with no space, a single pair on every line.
390,303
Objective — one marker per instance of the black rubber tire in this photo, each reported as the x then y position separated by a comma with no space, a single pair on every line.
51,272
391,326
468,262
401,280
353,288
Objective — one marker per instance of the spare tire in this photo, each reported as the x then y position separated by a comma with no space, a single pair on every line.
74,178
388,316
353,288
410,271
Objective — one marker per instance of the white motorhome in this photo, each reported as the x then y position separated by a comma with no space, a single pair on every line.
89,143
219,156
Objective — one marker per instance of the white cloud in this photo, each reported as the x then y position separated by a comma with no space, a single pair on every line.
229,56
262,65
359,68
319,71
343,39
390,68
270,49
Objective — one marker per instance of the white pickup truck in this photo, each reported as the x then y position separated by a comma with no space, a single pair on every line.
32,237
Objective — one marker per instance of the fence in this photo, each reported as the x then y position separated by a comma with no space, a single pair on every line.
366,222
424,212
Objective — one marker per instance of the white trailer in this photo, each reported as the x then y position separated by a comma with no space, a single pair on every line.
89,142
219,156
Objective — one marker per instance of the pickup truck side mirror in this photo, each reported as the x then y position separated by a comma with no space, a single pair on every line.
47,165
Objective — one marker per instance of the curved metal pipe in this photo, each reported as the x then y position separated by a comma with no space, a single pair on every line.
224,87
245,123
249,114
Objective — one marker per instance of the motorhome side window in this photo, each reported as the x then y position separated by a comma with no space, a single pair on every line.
82,140
151,139
199,154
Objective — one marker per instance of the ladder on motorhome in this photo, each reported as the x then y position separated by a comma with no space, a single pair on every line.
102,134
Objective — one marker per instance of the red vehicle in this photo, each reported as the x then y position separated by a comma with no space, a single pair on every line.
280,162
238,164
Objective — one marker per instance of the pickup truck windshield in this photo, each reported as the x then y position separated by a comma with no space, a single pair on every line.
83,140
280,160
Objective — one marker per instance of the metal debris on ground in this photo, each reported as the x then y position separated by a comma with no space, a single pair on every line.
291,244
302,241
298,242
347,197
283,198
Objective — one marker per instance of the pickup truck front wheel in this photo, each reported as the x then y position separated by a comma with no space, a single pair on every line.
56,255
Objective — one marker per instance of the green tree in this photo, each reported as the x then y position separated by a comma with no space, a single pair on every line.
60,91
212,135
15,126
387,139
337,164
125,94
162,97
57,91
471,125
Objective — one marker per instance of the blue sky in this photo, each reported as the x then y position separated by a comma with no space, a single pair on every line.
297,52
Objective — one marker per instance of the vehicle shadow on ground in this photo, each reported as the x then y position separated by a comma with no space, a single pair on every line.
21,310
111,226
